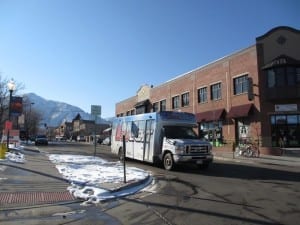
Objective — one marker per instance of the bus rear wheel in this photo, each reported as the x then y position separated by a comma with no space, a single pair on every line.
168,161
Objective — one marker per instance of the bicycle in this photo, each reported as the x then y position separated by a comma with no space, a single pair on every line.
247,150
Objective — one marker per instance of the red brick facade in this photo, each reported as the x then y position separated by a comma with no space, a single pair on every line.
223,118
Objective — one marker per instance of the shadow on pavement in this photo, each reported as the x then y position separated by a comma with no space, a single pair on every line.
241,171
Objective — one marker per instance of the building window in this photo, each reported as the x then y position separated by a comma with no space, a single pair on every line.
280,77
240,85
185,100
163,105
283,76
175,102
215,91
298,75
132,112
202,95
285,129
271,78
155,107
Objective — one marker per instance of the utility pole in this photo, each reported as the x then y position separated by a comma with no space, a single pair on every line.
95,111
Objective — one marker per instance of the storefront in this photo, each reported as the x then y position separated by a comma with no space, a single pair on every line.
285,129
211,126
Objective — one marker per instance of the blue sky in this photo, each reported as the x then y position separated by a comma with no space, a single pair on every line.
96,52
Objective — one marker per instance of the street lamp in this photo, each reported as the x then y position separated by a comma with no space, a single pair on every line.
11,87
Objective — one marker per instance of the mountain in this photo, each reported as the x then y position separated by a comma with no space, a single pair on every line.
54,113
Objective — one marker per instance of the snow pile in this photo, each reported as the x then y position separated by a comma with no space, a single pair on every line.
14,156
87,174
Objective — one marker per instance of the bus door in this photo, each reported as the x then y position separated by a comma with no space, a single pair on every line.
149,140
129,140
138,129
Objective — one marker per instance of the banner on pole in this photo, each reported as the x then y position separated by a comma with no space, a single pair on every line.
16,106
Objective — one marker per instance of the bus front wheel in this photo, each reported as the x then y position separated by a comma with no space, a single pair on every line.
168,161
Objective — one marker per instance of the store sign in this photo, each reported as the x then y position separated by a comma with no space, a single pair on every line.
8,125
14,137
286,108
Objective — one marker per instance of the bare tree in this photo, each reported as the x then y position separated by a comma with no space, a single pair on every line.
32,118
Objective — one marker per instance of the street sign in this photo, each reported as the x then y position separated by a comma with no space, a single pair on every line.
8,125
96,110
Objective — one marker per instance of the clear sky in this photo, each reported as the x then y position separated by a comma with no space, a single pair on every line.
99,52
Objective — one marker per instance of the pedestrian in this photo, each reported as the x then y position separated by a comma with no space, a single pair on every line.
281,142
284,141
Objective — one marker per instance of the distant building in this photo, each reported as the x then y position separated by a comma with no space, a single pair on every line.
80,128
252,94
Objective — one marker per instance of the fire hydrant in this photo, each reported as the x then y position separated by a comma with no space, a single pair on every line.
3,150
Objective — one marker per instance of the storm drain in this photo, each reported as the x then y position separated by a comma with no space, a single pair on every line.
35,197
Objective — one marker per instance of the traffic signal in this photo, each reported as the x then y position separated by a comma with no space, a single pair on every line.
250,89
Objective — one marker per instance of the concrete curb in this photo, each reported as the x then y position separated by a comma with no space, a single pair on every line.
122,186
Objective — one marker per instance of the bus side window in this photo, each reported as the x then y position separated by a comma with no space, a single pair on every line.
135,129
128,131
142,126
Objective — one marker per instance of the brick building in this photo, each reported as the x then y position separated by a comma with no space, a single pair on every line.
80,128
252,94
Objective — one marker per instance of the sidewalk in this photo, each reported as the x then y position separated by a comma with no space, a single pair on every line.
37,181
284,160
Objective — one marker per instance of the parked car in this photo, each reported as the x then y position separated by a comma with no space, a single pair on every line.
81,138
41,140
100,140
106,141
32,138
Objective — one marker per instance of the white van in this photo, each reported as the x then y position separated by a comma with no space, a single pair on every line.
166,136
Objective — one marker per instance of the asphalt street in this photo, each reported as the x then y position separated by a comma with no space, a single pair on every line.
26,200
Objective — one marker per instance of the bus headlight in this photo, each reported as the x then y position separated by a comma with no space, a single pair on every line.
179,149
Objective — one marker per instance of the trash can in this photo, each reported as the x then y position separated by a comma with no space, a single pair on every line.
3,150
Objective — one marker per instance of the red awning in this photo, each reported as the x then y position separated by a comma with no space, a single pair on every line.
239,111
212,115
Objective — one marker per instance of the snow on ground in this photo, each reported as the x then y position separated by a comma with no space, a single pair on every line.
14,156
87,173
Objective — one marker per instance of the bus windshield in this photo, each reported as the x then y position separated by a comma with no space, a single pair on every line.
179,132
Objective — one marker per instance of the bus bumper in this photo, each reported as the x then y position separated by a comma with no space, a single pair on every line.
196,159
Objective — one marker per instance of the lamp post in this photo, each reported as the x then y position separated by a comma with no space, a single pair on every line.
11,87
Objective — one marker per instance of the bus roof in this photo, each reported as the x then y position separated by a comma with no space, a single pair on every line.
163,116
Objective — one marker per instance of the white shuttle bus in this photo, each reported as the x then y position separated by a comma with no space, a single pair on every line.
166,136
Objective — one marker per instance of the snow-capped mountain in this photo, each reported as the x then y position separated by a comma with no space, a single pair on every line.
54,112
